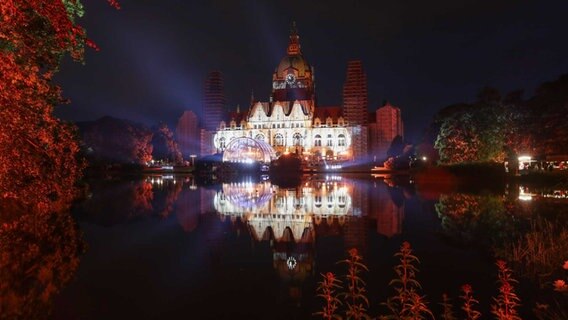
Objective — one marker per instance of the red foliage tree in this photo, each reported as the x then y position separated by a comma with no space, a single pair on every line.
39,243
38,166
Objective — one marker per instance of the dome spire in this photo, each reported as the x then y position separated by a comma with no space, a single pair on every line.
294,44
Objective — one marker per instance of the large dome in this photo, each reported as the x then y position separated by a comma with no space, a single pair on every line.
296,62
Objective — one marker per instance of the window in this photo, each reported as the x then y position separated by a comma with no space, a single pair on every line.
222,143
329,140
279,140
297,138
342,200
317,140
341,140
280,201
259,137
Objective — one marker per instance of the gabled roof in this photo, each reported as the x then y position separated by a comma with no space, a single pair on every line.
324,112
287,107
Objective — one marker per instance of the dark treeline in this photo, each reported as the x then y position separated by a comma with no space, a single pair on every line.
110,140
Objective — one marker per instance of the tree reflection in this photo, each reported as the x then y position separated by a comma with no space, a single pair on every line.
530,234
39,254
475,219
101,207
166,191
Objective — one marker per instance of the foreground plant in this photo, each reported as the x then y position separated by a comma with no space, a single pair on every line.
506,303
559,284
327,289
469,303
407,303
558,309
355,296
447,313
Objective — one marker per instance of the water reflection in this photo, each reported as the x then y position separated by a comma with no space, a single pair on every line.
290,218
275,239
326,204
39,255
294,214
527,193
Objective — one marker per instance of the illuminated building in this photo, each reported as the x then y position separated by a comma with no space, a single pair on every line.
355,105
188,135
388,125
290,121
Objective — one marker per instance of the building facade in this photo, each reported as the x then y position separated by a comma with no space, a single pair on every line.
213,101
355,106
388,125
290,121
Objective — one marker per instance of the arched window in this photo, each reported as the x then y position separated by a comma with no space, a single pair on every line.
298,140
341,201
317,201
341,140
317,140
329,140
222,143
278,140
259,137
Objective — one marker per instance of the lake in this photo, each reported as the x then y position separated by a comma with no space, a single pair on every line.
170,247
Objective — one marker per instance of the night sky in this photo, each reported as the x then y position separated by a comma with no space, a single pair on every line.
420,55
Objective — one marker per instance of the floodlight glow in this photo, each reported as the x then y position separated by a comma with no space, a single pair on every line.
525,158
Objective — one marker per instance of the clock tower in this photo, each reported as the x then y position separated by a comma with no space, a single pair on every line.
293,79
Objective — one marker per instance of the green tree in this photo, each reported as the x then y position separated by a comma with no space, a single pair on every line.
485,131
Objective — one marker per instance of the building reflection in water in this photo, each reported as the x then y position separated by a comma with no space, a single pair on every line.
323,205
388,208
290,218
280,214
